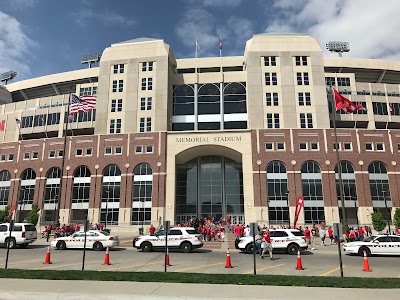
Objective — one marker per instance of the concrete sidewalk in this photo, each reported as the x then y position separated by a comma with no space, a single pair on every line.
67,290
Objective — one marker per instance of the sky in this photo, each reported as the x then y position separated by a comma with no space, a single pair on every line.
42,37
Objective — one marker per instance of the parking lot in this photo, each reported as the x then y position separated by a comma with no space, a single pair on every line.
209,259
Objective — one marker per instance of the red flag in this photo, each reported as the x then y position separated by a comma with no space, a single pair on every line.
11,211
220,43
345,104
299,205
391,110
2,125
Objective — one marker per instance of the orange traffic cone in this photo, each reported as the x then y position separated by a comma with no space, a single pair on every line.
107,258
299,264
366,264
228,260
167,259
47,258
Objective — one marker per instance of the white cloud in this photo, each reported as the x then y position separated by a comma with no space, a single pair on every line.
14,46
371,27
107,18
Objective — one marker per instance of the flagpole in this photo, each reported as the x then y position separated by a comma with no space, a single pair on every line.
221,87
196,100
339,167
57,220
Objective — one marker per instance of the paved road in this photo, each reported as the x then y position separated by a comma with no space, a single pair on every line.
321,262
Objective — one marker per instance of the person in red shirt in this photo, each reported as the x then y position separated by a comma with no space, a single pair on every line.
361,234
266,244
330,234
307,234
152,229
222,232
238,231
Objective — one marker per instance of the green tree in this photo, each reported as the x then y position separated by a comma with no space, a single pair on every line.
4,214
396,217
377,221
33,215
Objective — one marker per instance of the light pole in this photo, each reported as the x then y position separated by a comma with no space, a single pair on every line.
259,180
287,203
355,206
388,217
108,196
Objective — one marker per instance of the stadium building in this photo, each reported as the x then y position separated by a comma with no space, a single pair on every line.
169,139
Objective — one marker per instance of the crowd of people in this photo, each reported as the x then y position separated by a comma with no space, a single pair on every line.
67,229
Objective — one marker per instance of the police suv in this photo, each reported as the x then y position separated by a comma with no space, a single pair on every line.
375,245
288,240
184,238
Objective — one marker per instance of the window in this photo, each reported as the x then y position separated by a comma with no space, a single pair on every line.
109,215
269,61
89,151
280,146
27,155
314,146
118,150
380,108
145,127
138,149
10,157
88,91
301,60
343,81
269,146
347,146
398,147
141,125
304,99
336,146
306,120
118,86
116,105
149,149
363,92
147,66
119,68
368,147
2,157
115,125
271,79
302,78
330,81
146,105
148,124
303,146
78,152
314,215
107,150
147,84
379,147
60,153
272,99
361,111
273,121
378,93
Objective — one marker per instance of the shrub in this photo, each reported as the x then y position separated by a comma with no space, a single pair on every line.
377,221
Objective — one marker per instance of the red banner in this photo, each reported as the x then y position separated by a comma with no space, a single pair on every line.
11,211
299,205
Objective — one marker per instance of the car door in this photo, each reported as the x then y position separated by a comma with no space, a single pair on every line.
279,239
395,245
78,239
383,243
159,239
91,237
3,233
174,237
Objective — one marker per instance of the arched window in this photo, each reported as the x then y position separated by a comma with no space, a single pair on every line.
81,185
52,190
110,195
209,107
142,194
311,180
348,182
5,180
27,190
277,193
183,117
379,184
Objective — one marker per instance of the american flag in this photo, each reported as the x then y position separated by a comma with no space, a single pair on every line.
83,103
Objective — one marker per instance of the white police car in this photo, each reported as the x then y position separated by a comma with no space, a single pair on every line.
95,239
183,238
375,245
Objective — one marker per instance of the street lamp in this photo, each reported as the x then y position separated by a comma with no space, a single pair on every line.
259,181
355,206
287,203
108,196
388,217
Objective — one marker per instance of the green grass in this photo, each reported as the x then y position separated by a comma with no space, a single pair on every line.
236,279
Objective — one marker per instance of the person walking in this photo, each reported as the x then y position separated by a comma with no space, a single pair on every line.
314,232
322,235
307,235
330,234
267,244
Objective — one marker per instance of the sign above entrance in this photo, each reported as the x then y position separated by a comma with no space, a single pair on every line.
209,139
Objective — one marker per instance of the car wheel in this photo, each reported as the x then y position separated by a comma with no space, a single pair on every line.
186,247
11,242
98,246
61,245
24,245
146,247
361,251
292,249
249,248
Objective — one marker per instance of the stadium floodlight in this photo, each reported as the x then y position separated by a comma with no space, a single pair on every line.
338,47
5,77
90,58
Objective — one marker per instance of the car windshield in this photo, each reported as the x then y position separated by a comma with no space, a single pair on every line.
297,233
160,232
369,239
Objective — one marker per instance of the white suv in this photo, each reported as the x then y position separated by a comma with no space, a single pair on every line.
22,234
184,238
289,240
